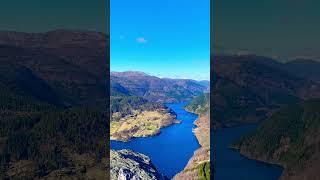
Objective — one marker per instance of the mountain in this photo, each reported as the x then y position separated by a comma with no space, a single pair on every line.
290,137
305,68
247,88
53,113
137,103
71,63
156,89
200,104
20,81
205,83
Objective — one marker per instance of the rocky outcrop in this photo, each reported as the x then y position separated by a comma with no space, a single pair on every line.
129,165
23,169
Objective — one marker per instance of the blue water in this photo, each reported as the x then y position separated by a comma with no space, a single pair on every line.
171,150
230,165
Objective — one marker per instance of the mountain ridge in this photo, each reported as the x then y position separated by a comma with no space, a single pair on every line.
156,89
63,68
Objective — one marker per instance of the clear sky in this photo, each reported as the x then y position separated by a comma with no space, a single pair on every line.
283,29
47,15
166,38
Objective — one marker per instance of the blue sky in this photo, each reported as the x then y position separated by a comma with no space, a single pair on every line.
166,38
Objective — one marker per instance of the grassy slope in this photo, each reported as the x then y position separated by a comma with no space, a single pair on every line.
141,124
134,116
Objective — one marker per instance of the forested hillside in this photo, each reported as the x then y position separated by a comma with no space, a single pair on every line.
247,88
134,116
200,104
290,137
53,115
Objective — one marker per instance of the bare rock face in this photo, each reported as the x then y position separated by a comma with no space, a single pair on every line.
128,165
125,174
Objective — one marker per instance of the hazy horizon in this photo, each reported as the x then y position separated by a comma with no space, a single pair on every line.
159,76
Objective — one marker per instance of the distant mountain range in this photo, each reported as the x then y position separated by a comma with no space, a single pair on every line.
137,102
156,89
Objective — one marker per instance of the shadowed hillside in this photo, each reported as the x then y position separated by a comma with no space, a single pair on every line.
246,89
53,105
251,89
290,137
72,63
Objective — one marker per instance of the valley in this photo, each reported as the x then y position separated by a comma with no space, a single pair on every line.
147,116
171,150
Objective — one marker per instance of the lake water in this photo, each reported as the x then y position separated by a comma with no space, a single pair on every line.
230,165
171,150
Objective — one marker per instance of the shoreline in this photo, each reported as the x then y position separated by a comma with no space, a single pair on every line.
189,123
238,149
193,169
151,135
259,160
255,159
144,124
